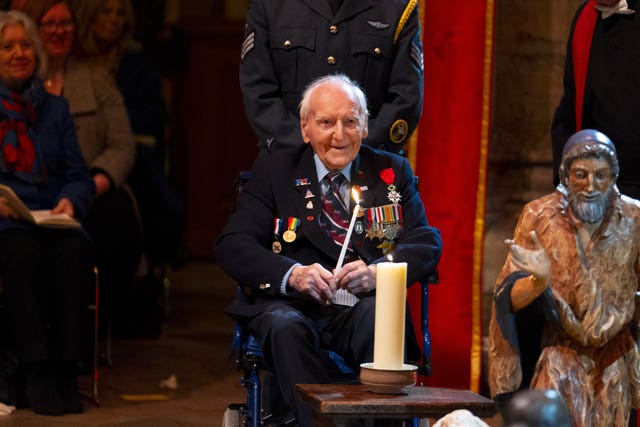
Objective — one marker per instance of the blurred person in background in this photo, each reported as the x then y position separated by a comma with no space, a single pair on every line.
108,147
46,273
106,40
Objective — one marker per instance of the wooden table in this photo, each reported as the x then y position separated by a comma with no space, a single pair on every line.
334,404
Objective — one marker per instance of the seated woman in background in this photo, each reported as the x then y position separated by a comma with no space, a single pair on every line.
106,39
107,144
46,273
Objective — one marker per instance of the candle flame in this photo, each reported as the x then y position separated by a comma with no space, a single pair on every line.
390,258
356,195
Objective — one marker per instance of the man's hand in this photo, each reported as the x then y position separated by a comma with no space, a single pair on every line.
64,206
5,210
535,261
356,277
314,280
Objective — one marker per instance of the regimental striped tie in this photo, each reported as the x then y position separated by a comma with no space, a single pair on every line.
335,220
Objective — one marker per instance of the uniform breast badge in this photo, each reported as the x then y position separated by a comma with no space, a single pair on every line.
399,131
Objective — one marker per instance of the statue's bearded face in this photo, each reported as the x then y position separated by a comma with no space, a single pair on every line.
590,184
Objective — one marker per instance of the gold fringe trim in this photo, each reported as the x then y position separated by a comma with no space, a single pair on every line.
476,336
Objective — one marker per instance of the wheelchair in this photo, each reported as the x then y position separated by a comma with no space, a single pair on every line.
260,408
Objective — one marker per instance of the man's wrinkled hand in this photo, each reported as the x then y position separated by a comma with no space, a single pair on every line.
535,261
314,280
356,277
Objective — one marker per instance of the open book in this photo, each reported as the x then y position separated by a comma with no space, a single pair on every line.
40,217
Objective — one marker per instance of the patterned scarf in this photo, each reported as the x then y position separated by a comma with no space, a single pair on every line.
20,154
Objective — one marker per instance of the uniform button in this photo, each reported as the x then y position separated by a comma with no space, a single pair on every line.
331,60
287,43
377,51
333,29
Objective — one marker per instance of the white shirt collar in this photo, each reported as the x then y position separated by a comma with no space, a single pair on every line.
322,170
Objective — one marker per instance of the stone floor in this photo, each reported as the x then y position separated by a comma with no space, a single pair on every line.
194,346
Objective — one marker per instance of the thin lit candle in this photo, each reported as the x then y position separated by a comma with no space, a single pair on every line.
356,208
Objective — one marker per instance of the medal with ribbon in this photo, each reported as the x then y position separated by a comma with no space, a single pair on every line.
385,222
276,246
388,176
290,235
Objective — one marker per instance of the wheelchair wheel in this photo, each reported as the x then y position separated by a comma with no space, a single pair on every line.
233,416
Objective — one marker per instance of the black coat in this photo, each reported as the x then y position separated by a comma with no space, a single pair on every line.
244,247
612,94
289,43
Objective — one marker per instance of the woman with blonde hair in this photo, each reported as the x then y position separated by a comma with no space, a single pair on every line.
107,145
106,39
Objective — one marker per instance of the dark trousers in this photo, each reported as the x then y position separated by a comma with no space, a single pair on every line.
161,209
292,336
46,279
114,228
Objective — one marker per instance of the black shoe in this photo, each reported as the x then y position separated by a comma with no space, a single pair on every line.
41,392
70,393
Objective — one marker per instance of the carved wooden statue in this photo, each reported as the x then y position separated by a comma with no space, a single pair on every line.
563,309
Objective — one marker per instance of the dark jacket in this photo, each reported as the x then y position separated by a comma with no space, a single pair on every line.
66,172
244,247
611,95
289,43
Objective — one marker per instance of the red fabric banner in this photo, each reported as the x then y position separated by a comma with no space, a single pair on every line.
451,159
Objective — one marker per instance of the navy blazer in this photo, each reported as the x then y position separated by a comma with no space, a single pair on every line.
283,184
67,173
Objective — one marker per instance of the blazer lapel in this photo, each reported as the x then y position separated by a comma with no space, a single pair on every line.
320,7
351,8
366,178
309,214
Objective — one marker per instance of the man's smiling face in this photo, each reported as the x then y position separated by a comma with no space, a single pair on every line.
334,126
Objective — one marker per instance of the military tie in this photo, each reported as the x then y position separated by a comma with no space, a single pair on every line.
335,220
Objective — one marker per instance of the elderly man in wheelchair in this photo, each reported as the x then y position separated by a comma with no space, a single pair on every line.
284,239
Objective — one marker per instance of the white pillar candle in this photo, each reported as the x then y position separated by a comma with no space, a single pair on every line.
391,295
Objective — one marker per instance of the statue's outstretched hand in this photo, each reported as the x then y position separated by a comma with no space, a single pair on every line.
534,261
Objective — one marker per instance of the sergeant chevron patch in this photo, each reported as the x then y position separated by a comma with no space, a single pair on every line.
248,44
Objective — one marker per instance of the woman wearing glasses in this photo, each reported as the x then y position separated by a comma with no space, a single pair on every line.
106,38
107,145
45,273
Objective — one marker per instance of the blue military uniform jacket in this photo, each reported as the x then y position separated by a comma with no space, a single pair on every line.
285,185
289,43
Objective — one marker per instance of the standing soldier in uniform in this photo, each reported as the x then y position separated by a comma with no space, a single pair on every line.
288,43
